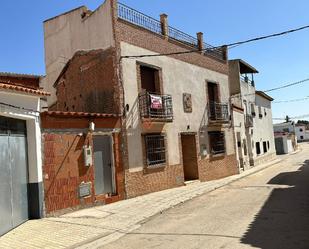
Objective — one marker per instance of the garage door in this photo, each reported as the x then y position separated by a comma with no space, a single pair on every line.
13,174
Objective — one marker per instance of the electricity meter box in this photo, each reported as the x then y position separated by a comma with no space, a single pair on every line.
87,155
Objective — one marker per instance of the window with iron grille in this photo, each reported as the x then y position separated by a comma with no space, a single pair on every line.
216,142
155,149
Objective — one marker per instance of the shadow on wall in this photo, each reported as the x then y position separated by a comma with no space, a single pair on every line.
283,222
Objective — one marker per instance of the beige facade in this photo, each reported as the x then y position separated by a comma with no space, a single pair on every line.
178,78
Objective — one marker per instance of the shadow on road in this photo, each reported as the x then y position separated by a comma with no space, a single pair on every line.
283,222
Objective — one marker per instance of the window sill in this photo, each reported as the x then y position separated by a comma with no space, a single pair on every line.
154,168
213,157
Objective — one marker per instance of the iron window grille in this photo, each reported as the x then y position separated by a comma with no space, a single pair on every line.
160,110
218,111
216,142
155,149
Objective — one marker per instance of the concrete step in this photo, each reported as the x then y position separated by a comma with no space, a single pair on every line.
192,182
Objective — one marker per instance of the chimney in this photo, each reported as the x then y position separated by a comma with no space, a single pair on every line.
200,41
164,25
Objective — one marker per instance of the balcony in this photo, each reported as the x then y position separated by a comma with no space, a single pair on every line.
246,79
156,107
248,121
218,112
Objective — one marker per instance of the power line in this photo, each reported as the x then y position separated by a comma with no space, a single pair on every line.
273,89
287,85
291,100
18,107
232,45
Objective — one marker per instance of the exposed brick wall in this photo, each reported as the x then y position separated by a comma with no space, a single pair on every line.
140,183
89,83
64,171
212,169
145,39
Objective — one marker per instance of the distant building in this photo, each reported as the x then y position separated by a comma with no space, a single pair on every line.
286,137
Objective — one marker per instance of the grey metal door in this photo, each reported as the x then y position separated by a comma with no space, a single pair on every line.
103,164
14,174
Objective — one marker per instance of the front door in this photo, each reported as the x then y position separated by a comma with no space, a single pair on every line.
104,182
14,174
189,155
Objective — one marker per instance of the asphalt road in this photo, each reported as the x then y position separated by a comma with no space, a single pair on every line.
269,209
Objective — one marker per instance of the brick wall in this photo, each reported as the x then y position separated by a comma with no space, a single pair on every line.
64,171
140,37
140,183
89,83
216,168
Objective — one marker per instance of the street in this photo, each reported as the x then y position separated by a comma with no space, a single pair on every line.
269,209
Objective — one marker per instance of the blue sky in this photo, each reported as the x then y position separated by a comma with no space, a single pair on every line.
279,60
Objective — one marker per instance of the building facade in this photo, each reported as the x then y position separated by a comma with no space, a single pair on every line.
252,117
21,186
175,113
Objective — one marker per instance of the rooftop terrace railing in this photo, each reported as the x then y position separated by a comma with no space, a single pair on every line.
135,17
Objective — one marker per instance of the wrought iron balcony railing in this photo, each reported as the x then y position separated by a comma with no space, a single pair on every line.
248,121
156,106
218,112
139,19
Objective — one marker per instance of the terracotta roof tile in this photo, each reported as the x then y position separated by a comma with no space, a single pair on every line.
23,89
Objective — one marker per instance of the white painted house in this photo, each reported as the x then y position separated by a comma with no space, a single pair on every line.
20,150
252,117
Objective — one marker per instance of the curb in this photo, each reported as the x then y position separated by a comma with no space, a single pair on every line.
99,242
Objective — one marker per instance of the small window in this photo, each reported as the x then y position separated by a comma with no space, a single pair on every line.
268,144
257,147
300,129
216,142
260,112
155,149
265,147
265,112
301,137
245,147
252,109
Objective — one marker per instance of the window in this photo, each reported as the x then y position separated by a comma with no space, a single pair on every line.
264,147
300,129
286,129
252,110
150,80
301,137
155,149
260,112
268,144
257,147
216,142
245,146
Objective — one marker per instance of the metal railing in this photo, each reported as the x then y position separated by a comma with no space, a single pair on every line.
246,79
135,17
218,111
182,37
215,52
248,120
156,106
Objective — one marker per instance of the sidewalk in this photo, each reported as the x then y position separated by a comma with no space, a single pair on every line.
98,226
